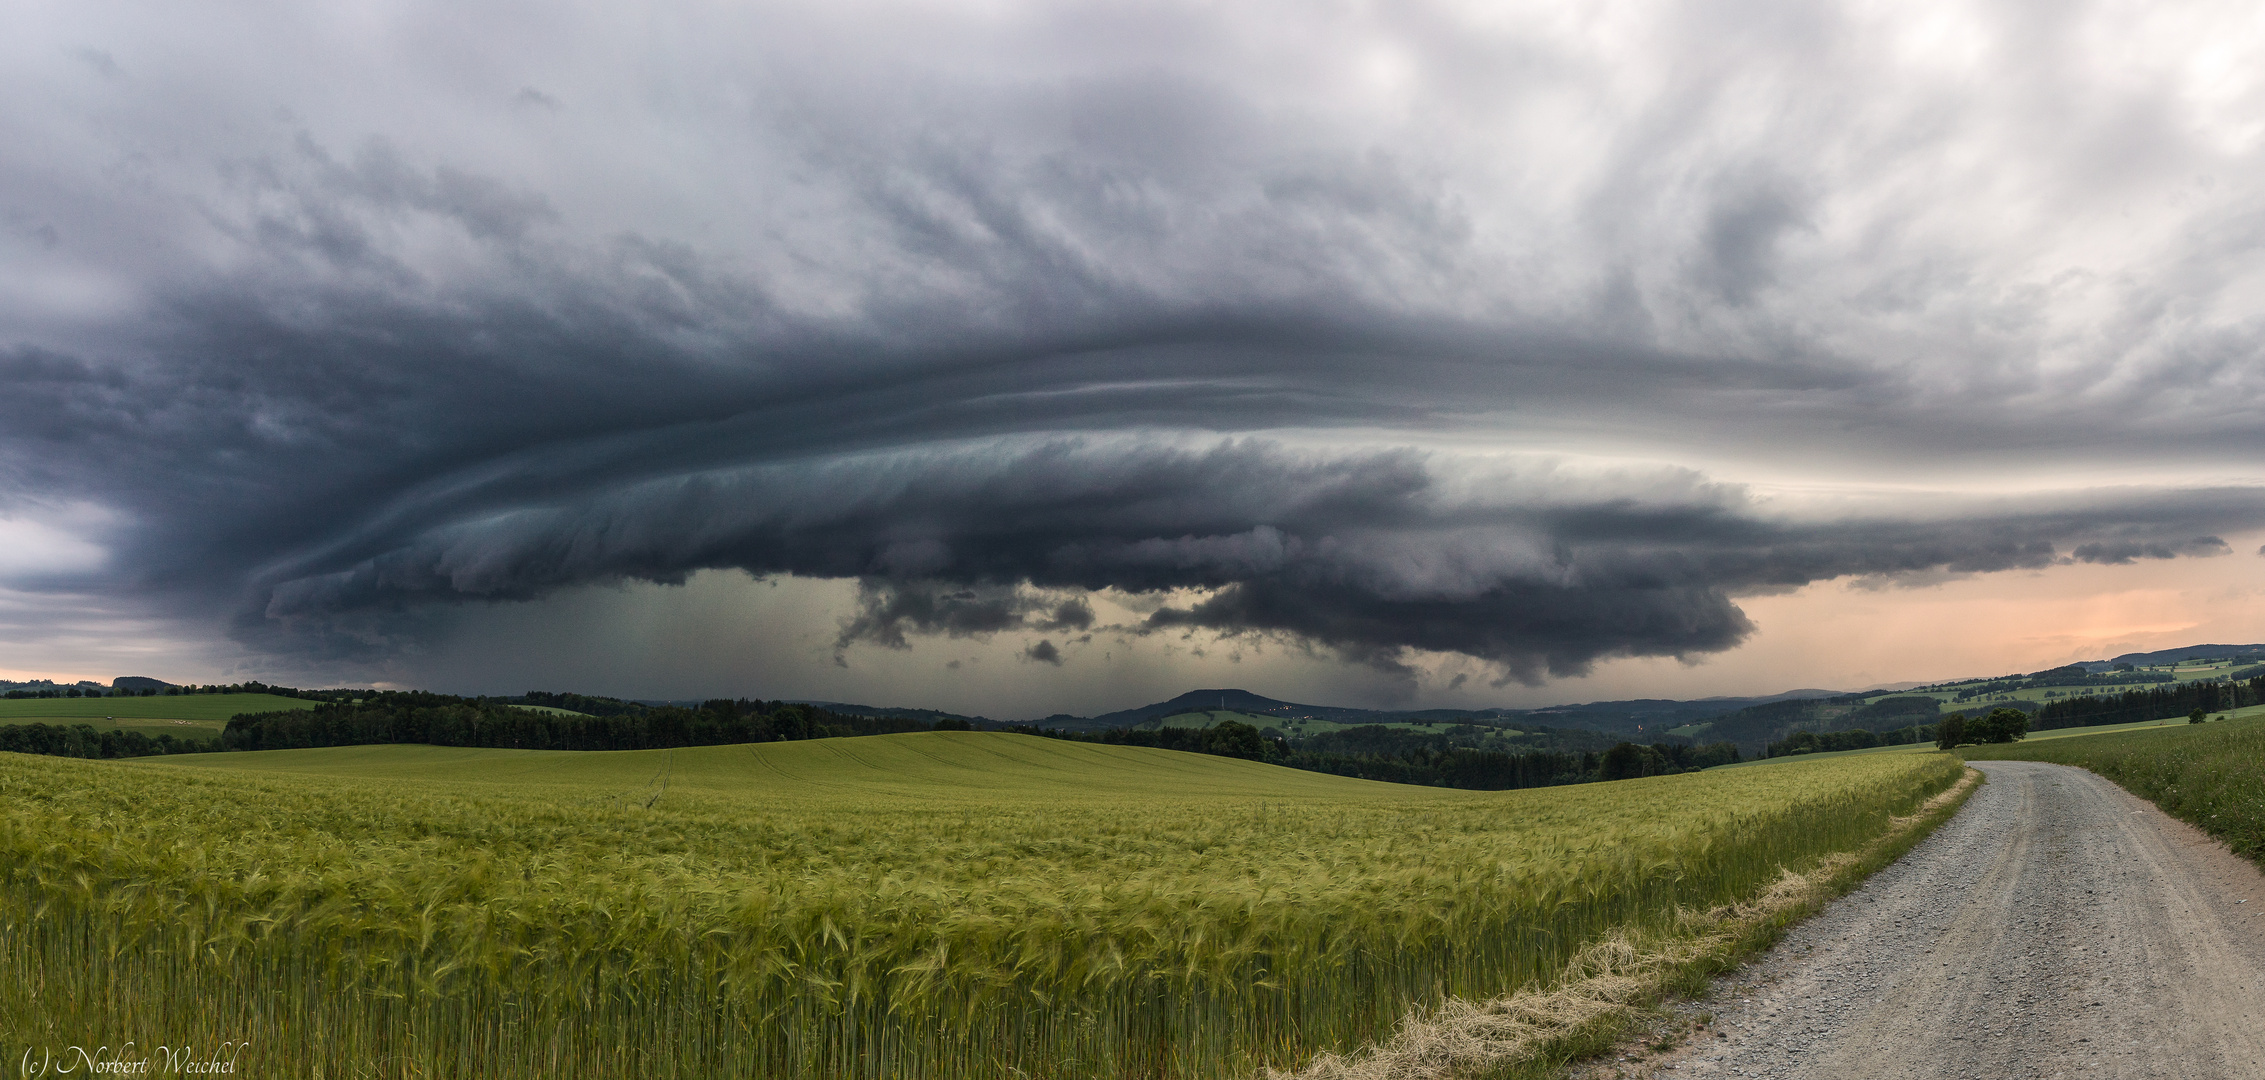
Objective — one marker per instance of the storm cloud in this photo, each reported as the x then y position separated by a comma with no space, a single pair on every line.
1534,568
1446,329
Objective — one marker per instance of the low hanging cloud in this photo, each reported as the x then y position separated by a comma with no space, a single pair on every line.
1378,556
2125,552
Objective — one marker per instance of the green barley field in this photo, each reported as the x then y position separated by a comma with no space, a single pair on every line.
941,905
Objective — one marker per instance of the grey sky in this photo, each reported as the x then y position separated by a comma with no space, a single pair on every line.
1530,335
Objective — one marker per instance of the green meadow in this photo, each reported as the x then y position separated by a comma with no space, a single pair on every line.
186,716
199,707
940,904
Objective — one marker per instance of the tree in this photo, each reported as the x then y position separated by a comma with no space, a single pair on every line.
1233,738
1950,731
2197,716
1626,761
2012,725
2001,726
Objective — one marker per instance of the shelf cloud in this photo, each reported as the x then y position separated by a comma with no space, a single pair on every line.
1446,329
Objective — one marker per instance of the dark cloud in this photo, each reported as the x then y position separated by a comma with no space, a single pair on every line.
1375,555
888,611
1153,302
1043,652
2122,552
1743,227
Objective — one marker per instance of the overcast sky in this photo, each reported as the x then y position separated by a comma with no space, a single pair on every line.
1019,358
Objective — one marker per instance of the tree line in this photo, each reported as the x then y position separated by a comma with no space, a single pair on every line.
83,741
1376,752
1825,742
2208,695
2001,725
2071,675
409,716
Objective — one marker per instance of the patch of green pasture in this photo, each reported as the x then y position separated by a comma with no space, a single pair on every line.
2204,671
180,707
179,729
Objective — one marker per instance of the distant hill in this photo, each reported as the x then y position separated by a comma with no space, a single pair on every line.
1650,716
1750,722
1243,701
900,712
1640,717
1756,726
2172,656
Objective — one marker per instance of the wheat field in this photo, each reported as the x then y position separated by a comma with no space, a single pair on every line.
944,905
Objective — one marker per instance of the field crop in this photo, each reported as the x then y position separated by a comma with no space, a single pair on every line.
2210,775
207,707
947,904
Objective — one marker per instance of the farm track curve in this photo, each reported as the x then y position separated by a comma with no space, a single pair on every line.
2057,927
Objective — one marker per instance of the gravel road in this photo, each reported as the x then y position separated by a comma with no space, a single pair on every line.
2057,927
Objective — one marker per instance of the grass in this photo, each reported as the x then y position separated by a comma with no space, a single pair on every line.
2211,775
945,904
201,707
179,729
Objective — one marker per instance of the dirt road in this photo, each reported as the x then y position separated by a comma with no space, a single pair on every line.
2057,927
